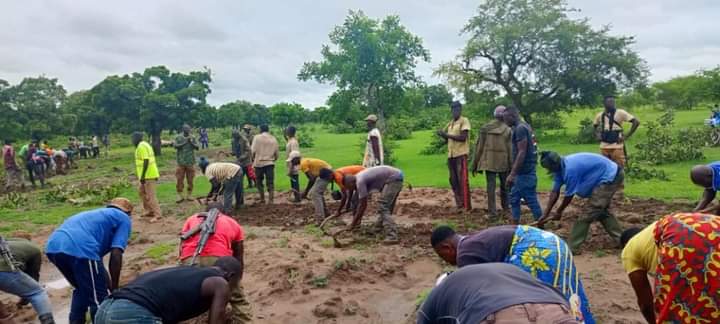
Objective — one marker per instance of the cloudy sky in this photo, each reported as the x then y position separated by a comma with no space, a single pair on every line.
256,48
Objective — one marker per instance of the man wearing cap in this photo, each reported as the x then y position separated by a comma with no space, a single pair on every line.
265,152
229,177
386,180
148,175
587,175
78,246
20,275
313,168
185,145
348,196
374,154
242,153
493,156
457,135
226,241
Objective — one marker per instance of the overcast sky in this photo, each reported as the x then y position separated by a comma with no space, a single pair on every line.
256,48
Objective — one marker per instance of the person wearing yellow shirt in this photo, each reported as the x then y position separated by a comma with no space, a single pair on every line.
148,175
639,258
457,135
319,174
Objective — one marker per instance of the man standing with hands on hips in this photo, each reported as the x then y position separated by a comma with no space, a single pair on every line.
457,135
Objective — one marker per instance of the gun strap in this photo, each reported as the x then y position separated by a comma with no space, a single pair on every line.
7,255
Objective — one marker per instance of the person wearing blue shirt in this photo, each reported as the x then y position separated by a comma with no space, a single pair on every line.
708,177
586,175
77,247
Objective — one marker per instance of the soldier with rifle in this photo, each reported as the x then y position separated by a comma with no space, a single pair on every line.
211,235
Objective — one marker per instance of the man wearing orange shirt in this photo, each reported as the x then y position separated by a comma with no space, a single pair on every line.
227,240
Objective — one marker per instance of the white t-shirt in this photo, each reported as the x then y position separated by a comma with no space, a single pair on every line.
369,160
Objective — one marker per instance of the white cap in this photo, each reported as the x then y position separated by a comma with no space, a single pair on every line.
292,155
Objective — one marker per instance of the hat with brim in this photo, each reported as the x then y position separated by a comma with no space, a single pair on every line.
122,203
247,126
372,118
293,155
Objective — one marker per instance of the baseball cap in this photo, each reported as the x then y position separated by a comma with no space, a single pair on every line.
292,155
121,203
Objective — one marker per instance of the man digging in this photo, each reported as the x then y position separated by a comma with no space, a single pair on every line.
207,237
386,180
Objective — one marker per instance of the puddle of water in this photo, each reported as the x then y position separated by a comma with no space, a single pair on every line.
58,284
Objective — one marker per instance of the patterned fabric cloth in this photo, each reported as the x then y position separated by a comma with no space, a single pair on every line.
548,258
687,279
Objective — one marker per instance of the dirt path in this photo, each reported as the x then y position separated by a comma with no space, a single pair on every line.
294,274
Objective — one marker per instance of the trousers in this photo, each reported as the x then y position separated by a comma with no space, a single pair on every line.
151,207
89,280
457,166
184,173
525,187
265,176
597,209
531,314
318,198
490,179
121,311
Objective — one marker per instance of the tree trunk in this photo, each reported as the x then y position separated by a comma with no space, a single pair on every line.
156,142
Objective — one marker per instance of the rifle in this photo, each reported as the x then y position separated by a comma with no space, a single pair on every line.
206,228
6,255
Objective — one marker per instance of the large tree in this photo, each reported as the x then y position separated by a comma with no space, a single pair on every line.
36,102
240,112
283,114
370,61
155,100
540,58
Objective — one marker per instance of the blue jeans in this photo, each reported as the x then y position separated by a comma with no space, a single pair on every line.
525,187
89,280
121,311
21,285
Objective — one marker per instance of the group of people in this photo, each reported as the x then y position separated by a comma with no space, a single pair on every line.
506,274
539,282
211,258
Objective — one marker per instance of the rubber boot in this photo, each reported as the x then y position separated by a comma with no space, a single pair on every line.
271,196
180,198
46,319
262,197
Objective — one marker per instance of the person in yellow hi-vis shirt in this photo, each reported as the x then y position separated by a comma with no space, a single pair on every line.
147,173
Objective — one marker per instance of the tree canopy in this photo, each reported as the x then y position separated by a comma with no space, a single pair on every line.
541,59
370,61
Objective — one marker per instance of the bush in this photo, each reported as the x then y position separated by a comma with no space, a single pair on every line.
640,172
345,128
547,121
399,128
663,146
586,133
436,146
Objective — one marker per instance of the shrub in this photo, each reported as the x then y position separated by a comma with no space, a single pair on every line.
639,172
548,121
586,133
399,128
663,146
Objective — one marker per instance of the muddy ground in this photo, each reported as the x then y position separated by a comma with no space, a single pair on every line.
294,274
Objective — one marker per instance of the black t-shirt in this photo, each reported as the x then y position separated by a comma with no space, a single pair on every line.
489,245
523,131
472,293
172,294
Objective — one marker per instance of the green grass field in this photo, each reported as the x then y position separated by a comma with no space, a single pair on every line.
344,149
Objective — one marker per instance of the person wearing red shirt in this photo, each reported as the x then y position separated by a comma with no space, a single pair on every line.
226,241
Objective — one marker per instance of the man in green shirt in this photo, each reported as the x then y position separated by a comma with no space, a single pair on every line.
185,144
148,175
19,274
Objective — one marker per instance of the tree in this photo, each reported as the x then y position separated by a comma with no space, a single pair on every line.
541,59
238,113
283,114
155,100
10,128
36,102
683,92
370,61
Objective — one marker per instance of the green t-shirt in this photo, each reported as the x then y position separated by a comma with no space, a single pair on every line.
185,147
22,251
145,152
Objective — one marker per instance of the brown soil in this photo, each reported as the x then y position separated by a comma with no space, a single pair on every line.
294,274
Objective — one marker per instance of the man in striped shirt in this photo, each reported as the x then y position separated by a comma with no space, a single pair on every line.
228,176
